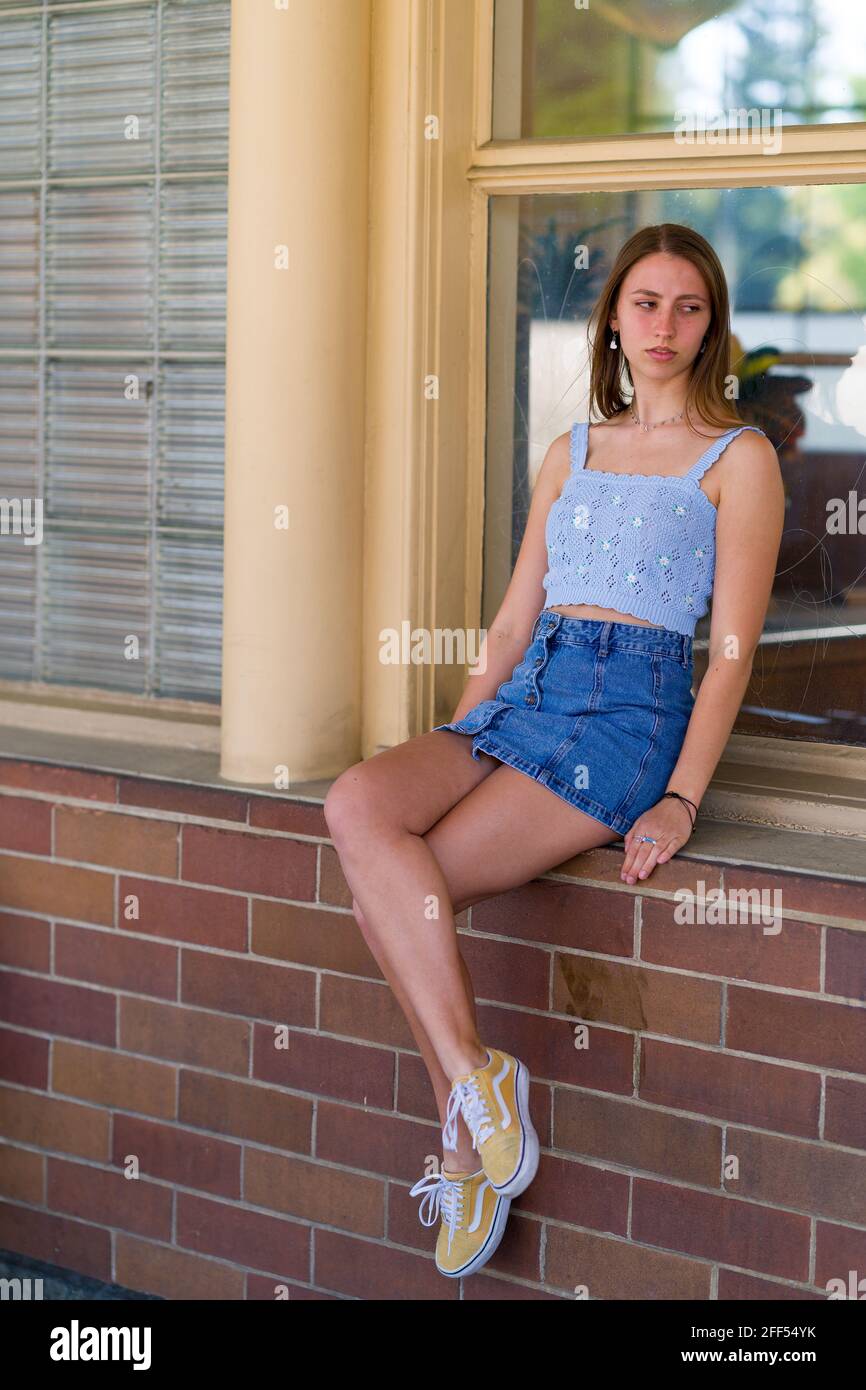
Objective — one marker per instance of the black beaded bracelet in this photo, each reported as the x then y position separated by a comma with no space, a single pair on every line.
685,800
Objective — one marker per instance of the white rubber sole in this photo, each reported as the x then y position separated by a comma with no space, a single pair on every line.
489,1247
529,1164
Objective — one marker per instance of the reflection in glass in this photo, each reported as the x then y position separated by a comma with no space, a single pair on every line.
612,67
797,283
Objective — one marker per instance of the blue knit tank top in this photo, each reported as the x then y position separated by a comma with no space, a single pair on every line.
643,544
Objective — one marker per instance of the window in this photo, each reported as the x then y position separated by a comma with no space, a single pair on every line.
113,193
791,253
617,67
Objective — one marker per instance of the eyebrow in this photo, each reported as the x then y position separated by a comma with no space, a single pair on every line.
658,295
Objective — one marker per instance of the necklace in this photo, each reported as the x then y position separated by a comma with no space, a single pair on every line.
647,428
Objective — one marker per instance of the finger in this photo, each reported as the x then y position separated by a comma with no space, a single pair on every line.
640,854
651,860
673,844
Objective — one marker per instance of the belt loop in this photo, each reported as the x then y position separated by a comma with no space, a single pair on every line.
604,639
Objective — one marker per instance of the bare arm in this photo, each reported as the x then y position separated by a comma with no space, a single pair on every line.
508,635
748,533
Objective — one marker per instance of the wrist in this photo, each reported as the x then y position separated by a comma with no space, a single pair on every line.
690,808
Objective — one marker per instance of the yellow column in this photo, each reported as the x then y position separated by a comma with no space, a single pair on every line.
294,462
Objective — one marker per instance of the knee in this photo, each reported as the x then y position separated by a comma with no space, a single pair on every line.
348,804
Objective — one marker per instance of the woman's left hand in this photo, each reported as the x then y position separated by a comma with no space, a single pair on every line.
669,823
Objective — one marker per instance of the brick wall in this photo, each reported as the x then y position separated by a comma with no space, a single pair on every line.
704,1137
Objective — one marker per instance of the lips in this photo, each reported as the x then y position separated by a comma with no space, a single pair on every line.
661,354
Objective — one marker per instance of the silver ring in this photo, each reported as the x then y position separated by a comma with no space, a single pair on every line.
645,840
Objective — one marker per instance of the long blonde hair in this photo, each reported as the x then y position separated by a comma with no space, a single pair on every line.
705,398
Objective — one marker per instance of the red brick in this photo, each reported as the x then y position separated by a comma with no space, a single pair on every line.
24,1059
333,888
846,964
248,863
845,1111
737,1287
561,914
369,1270
56,1239
174,1274
363,1009
616,1269
720,1228
144,845
25,824
314,1191
47,1122
373,1142
506,972
654,1001
838,1250
22,1175
25,942
734,950
798,1029
110,1078
635,1136
243,1237
57,890
234,985
176,1155
546,1047
583,1195
265,1288
484,1289
292,817
51,1006
824,897
732,1088
200,915
311,935
212,803
58,781
808,1177
325,1066
605,865
246,1110
116,960
185,1035
107,1197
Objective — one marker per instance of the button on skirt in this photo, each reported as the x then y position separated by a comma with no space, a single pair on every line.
596,711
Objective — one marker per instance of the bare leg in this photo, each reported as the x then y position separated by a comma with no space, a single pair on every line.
477,843
463,1157
400,888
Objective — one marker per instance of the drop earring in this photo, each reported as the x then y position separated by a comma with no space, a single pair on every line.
613,342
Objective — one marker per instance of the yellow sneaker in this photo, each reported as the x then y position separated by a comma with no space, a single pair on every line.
494,1101
473,1219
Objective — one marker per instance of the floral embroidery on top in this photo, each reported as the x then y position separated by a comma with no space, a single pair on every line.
643,549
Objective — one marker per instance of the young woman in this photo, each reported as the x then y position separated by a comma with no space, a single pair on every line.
583,728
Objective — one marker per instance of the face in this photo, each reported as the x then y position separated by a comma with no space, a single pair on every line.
663,302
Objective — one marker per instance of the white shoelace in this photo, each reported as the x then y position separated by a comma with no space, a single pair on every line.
443,1195
466,1096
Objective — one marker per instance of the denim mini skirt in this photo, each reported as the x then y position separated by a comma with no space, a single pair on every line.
596,711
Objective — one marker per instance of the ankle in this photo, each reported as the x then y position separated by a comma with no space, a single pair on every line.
461,1062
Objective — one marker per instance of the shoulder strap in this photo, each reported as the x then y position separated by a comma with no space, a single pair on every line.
579,444
718,446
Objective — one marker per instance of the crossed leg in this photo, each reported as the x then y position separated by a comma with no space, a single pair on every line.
423,831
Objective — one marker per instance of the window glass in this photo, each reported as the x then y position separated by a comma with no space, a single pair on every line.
563,68
797,282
